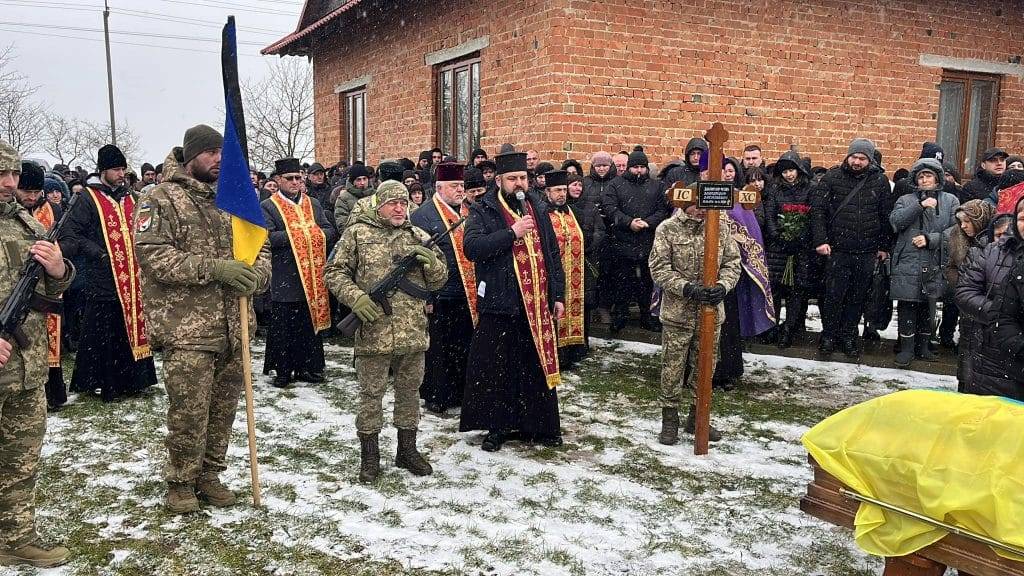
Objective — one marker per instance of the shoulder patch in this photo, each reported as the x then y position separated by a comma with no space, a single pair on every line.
144,219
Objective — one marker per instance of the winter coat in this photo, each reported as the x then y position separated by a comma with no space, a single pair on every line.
958,244
978,292
980,187
917,272
806,262
683,170
285,284
862,226
365,255
594,186
346,203
186,232
81,240
629,198
1008,323
322,194
677,259
588,215
488,244
427,218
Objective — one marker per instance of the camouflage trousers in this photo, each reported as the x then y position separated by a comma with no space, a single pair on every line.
372,372
679,352
202,392
22,425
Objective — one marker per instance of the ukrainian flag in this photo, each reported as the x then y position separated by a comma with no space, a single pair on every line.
235,192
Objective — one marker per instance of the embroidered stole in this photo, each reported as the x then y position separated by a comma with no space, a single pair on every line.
118,235
466,270
309,248
570,242
528,258
44,214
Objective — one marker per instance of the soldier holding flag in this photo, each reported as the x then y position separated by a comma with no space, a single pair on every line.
192,283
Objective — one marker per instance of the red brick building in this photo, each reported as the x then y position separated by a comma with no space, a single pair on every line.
570,77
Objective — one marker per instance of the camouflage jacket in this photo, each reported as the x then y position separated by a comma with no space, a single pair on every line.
367,252
28,367
179,232
677,259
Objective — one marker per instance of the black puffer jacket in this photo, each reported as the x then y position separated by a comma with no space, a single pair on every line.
978,292
862,226
980,187
630,197
683,170
594,186
592,223
806,262
1008,325
488,244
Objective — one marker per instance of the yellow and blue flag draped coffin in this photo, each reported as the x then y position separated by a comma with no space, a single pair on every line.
955,458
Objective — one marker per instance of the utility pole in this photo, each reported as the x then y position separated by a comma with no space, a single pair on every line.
110,75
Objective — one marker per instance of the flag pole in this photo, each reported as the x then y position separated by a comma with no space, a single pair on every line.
250,417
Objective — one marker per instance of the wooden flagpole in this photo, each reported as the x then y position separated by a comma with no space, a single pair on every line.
250,417
716,138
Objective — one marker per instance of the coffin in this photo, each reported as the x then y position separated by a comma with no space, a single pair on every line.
825,502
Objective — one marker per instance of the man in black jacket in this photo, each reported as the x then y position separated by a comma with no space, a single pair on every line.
633,206
688,169
513,371
850,225
990,170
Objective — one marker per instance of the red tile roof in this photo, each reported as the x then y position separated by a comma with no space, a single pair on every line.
287,46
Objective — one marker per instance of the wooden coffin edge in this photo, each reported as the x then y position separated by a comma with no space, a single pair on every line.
824,501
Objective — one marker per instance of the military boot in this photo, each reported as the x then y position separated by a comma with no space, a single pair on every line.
210,489
669,426
369,458
181,498
34,554
409,457
922,350
905,355
691,425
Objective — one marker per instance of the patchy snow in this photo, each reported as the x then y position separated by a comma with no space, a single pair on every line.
612,501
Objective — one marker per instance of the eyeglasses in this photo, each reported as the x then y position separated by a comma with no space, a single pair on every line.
292,178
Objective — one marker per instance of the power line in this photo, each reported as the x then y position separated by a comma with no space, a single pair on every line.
50,4
144,34
141,14
228,6
160,46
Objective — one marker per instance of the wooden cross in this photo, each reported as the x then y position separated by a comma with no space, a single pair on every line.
682,196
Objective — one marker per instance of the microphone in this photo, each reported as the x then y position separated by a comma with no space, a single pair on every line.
521,197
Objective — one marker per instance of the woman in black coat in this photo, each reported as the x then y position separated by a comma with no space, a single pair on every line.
791,190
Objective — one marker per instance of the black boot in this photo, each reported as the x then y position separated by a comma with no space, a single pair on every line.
691,425
785,336
409,457
369,458
282,380
493,441
922,350
906,354
669,426
850,348
826,345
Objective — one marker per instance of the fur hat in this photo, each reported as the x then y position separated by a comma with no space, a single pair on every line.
110,157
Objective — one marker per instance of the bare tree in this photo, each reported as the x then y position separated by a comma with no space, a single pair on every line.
279,113
21,117
67,140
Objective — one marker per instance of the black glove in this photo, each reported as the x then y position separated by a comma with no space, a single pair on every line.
714,295
692,291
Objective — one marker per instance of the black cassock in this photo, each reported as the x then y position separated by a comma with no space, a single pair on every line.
451,330
104,360
292,344
506,390
730,343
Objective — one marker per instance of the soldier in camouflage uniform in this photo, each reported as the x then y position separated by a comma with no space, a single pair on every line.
677,266
191,283
379,234
23,373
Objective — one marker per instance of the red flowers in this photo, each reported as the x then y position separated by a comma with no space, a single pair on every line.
795,208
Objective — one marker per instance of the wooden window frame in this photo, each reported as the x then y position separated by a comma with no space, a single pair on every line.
453,67
346,113
967,78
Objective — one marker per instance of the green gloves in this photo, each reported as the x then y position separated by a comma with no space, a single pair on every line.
237,275
425,256
366,309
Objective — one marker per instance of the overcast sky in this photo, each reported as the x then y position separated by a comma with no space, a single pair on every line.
161,85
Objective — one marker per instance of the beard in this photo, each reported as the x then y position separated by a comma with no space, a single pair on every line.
206,175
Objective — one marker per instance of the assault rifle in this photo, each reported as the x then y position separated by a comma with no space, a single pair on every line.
396,280
23,297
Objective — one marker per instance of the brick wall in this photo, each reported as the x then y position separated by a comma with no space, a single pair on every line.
570,77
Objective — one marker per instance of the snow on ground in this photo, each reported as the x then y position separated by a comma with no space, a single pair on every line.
611,501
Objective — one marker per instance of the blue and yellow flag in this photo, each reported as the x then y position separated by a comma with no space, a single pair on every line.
235,192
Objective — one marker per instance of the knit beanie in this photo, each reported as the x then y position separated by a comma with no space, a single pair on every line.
637,158
147,167
199,139
932,150
390,190
472,178
357,171
31,177
601,159
51,184
110,157
862,146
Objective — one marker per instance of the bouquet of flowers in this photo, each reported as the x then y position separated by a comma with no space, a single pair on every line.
793,222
